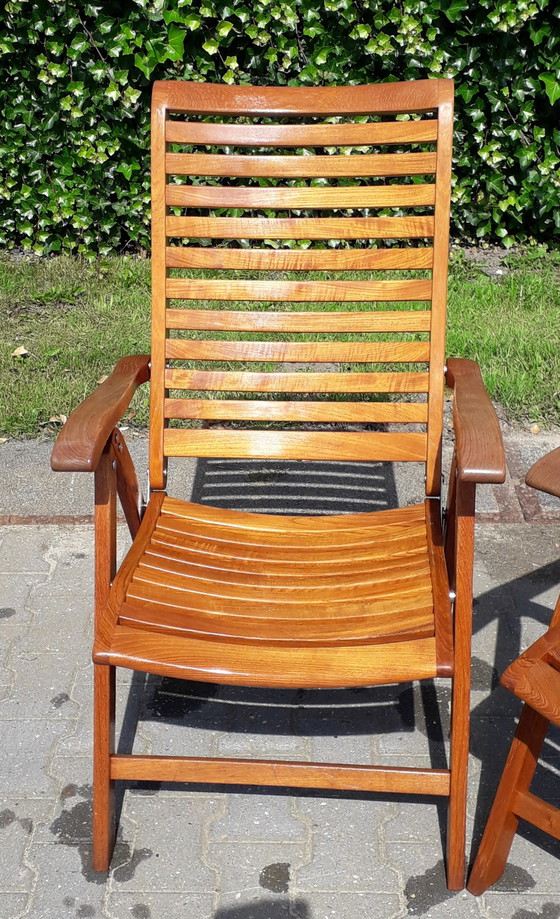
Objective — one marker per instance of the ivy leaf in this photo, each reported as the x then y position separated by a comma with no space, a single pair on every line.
176,40
210,46
551,85
455,8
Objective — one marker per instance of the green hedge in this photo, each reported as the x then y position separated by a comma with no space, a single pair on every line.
75,83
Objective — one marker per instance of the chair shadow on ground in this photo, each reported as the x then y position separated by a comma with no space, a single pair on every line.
267,909
331,488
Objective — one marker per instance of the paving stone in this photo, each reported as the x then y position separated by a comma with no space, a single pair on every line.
146,904
517,906
13,905
149,825
42,687
259,818
253,873
356,905
422,872
67,886
26,750
15,834
24,550
346,847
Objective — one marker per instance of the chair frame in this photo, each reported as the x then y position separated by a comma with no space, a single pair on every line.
534,679
91,441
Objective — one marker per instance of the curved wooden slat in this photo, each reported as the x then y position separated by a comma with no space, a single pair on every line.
298,291
298,135
320,445
358,165
300,260
265,410
419,97
315,197
310,352
248,321
300,227
244,381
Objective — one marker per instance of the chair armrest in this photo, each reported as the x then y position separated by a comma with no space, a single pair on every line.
80,443
545,473
478,439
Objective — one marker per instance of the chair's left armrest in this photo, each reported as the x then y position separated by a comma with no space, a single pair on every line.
545,473
478,439
82,439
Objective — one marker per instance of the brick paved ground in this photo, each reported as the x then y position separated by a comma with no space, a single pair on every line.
206,853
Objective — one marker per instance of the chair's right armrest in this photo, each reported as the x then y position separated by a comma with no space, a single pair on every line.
80,443
545,473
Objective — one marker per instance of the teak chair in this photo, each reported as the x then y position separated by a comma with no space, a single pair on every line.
272,601
535,679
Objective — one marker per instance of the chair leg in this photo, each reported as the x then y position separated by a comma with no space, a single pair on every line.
461,686
502,823
103,747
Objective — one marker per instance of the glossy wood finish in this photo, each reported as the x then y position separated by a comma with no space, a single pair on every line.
82,439
534,677
315,197
479,445
362,165
280,773
299,260
545,473
258,600
293,135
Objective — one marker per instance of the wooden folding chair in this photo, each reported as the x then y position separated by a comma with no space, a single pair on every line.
535,679
272,601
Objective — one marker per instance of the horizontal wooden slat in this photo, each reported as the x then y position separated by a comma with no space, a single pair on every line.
266,410
300,228
301,135
305,351
385,98
401,780
285,167
243,381
249,321
298,291
316,445
314,197
300,260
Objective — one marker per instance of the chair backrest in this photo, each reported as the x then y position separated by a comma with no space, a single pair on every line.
324,181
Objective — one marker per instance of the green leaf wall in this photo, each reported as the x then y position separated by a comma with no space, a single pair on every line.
75,83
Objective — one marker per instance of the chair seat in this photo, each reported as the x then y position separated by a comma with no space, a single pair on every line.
259,598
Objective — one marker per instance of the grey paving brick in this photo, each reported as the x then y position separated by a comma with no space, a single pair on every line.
347,855
259,818
15,833
66,887
167,834
252,873
149,905
356,905
13,905
520,906
42,687
421,870
26,750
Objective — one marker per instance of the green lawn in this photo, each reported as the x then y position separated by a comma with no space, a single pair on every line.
76,319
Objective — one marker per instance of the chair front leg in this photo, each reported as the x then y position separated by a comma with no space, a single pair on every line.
463,542
104,676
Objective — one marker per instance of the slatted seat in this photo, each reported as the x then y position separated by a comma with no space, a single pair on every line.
299,278
197,574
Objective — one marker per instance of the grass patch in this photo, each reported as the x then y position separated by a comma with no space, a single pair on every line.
76,319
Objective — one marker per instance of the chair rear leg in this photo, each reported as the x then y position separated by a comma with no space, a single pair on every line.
103,747
502,823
